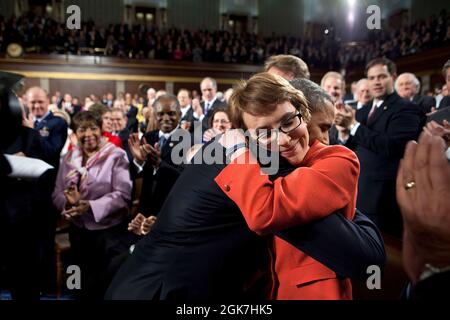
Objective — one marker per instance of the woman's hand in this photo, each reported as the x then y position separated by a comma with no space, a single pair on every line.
73,139
72,195
210,134
76,211
231,138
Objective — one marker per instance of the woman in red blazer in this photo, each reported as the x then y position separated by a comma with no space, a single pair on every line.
326,180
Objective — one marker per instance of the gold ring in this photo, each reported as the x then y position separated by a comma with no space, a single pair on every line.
410,185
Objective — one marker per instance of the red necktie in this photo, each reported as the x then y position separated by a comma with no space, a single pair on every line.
372,112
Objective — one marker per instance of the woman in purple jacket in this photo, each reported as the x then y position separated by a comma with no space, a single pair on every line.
92,191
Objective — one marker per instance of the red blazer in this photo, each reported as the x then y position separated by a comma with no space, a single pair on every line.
325,182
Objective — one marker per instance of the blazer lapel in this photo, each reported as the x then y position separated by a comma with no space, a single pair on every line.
363,113
383,108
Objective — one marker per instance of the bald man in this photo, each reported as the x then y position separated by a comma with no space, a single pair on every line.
408,87
52,129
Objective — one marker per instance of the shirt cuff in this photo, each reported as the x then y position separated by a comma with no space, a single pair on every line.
354,128
200,118
138,166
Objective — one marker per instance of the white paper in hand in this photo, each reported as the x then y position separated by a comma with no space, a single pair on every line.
27,168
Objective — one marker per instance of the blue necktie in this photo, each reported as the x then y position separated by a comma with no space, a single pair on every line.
162,142
36,123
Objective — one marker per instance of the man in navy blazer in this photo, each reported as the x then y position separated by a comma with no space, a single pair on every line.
210,102
52,129
378,134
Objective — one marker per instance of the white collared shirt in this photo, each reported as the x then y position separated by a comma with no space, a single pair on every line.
41,118
376,103
184,110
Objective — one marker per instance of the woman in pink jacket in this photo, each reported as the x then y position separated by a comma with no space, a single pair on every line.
92,191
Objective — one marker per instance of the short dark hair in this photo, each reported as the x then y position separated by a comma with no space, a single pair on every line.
392,68
445,68
166,97
313,93
288,63
86,117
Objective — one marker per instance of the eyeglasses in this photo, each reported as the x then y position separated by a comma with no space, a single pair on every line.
267,137
221,121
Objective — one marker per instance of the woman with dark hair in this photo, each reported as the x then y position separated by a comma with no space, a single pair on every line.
218,123
92,189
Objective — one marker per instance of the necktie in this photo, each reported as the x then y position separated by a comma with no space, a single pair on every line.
372,112
206,107
162,142
36,123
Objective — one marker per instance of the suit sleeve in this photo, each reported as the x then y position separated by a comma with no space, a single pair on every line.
56,140
117,199
404,126
306,194
346,246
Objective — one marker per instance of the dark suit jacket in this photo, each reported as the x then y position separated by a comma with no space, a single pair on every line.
217,104
433,288
445,102
189,117
424,102
379,145
53,132
156,187
132,124
201,248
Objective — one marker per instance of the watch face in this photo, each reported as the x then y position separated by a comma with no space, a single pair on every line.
14,50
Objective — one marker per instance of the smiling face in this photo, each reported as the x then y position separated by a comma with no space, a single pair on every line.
89,136
37,102
221,122
292,146
167,115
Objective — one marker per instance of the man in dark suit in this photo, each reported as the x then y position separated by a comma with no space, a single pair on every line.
187,112
52,130
378,134
408,87
153,156
119,129
203,111
131,113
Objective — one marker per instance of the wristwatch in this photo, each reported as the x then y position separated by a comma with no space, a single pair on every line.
431,270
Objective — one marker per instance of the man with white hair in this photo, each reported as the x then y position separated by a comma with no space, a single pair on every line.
362,93
151,97
408,87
